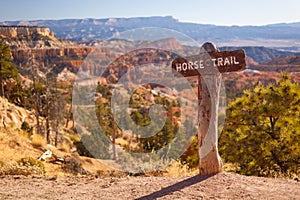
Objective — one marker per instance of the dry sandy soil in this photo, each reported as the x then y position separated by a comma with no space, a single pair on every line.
221,186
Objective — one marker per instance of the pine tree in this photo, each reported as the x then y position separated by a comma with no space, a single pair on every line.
10,84
262,133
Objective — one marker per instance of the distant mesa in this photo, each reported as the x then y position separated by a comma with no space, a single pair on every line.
24,31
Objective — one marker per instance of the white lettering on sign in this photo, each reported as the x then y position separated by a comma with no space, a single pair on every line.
234,61
227,61
184,66
220,62
178,67
191,66
201,64
214,61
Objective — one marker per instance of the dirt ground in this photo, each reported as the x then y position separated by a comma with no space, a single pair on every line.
221,186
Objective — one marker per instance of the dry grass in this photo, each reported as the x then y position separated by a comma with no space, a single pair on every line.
15,145
178,170
64,146
12,145
38,140
15,150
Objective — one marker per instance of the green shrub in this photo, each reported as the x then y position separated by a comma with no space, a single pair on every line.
26,127
31,162
74,138
262,132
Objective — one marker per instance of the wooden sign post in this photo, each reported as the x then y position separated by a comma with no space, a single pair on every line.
208,66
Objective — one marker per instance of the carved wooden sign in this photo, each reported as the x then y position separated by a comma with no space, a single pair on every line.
209,63
208,66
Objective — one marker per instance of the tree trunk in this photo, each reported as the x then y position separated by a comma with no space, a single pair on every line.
47,118
56,133
69,116
1,82
114,141
37,106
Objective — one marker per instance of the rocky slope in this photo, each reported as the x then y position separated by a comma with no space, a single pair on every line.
12,115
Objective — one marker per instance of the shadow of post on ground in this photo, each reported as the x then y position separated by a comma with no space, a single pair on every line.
176,187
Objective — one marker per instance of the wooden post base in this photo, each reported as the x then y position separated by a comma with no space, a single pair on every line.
211,164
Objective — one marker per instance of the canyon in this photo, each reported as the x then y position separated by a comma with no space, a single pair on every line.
59,54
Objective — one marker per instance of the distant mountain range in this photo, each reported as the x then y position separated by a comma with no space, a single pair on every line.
283,36
263,54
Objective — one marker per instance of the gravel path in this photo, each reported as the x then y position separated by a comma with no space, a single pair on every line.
221,186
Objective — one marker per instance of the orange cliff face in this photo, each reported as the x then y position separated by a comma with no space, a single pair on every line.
72,57
48,51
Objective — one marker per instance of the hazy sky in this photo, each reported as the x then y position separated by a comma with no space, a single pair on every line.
220,12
